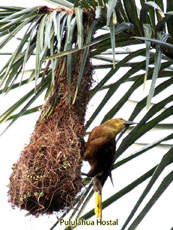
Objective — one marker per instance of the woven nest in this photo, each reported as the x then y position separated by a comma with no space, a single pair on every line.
47,177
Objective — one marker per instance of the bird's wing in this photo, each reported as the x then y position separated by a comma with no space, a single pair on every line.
93,147
100,154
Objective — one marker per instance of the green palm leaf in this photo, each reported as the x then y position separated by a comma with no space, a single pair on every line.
120,34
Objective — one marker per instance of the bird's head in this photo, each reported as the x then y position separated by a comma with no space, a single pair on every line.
117,124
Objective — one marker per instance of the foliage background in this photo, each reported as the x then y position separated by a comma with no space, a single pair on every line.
13,140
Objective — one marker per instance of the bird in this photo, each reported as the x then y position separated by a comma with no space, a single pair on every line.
100,152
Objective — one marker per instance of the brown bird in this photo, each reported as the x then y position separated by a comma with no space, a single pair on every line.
100,153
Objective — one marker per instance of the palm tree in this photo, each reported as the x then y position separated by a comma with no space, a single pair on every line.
68,44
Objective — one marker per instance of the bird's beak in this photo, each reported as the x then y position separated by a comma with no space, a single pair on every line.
130,123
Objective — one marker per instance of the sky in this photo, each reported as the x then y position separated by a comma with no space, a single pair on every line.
22,3
14,140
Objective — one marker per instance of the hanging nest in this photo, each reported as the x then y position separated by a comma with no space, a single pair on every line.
47,176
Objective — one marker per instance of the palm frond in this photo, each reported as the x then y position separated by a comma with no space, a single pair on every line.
166,160
134,45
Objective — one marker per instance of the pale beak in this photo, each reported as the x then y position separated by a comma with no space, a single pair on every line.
130,123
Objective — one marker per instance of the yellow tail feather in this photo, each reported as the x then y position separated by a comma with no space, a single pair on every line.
98,204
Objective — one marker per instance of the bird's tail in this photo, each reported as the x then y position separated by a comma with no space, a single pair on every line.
110,175
98,204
